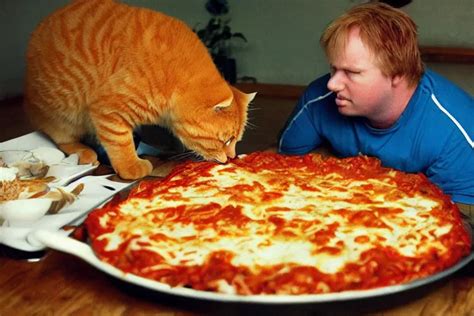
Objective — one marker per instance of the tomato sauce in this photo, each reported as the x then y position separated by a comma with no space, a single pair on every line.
381,265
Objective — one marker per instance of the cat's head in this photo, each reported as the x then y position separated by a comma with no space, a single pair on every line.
212,128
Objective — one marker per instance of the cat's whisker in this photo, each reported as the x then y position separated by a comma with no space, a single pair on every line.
190,154
198,157
175,157
249,122
250,125
251,115
182,156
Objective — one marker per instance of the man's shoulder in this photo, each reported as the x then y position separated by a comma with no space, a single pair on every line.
445,90
448,112
446,100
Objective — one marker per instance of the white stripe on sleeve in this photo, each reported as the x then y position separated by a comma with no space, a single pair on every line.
452,118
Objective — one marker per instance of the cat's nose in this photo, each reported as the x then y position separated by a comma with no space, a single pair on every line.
230,151
222,158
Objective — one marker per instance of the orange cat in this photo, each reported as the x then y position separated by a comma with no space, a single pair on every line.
102,67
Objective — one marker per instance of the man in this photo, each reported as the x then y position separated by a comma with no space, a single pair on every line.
379,101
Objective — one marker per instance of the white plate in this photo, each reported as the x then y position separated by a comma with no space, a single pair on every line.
79,249
64,172
97,190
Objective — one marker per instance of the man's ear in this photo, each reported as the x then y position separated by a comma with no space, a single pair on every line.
397,79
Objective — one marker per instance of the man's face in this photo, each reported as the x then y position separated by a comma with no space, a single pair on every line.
361,88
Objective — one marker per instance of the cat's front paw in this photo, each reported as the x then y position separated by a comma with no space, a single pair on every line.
87,156
139,169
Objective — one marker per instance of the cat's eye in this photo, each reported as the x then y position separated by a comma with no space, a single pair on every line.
227,143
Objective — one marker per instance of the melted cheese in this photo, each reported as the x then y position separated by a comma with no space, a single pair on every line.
282,229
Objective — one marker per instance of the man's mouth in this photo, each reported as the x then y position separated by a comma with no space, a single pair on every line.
341,101
342,98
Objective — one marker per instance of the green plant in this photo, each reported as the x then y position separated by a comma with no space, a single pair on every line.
217,34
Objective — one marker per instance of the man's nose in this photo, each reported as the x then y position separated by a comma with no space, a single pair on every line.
335,83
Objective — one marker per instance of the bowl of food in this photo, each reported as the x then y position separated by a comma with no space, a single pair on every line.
27,200
28,210
28,165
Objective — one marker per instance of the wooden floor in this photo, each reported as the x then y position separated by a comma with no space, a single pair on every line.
266,117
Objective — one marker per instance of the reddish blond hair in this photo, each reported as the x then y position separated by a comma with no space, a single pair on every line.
390,34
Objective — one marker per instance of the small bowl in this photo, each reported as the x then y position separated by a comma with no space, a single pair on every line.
29,210
10,157
48,155
28,165
24,210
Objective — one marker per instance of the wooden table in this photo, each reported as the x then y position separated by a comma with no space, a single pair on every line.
60,284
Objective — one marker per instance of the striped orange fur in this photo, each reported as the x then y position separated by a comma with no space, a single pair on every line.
99,67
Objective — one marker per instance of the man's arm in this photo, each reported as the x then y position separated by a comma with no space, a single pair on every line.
300,134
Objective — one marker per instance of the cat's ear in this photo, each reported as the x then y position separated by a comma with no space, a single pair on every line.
222,105
250,96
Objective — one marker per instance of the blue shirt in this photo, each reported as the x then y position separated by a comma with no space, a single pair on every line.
434,135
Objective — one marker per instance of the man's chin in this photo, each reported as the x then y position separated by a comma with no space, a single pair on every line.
345,107
345,110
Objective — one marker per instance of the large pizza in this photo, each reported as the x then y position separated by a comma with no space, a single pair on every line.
266,223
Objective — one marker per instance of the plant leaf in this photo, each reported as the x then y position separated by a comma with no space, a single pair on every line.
217,7
240,35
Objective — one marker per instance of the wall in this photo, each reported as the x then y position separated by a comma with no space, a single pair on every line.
283,35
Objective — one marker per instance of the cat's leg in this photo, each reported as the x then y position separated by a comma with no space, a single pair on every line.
69,143
116,136
122,155
85,153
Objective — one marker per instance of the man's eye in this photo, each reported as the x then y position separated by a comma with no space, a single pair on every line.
353,72
227,143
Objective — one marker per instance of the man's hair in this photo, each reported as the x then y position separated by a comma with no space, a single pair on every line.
389,33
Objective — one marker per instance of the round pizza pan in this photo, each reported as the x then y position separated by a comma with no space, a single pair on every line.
82,250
